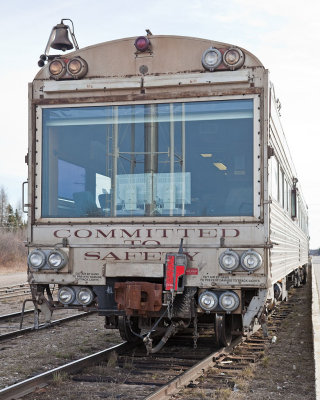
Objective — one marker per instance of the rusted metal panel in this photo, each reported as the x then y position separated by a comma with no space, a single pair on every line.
151,95
138,297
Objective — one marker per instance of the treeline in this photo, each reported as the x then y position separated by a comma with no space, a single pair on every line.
12,235
9,218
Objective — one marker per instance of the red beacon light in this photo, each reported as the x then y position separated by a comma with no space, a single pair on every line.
142,43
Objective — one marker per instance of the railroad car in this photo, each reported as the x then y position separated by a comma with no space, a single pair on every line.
161,190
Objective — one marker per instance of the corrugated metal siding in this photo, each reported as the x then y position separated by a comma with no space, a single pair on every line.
290,249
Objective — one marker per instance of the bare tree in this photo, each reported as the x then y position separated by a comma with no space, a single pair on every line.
3,206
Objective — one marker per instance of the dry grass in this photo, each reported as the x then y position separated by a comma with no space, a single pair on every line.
13,253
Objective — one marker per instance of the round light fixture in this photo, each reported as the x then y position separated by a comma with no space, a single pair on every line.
66,295
57,68
142,43
85,296
229,260
251,260
36,259
233,58
211,59
208,301
229,301
77,67
57,259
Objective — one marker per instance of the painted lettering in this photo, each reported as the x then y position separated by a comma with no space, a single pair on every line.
210,233
136,233
152,256
60,235
111,256
130,255
105,235
132,242
83,233
164,232
92,255
151,242
185,231
225,232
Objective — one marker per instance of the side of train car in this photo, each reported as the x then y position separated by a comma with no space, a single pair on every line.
161,188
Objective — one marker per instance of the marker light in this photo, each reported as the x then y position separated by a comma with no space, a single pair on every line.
57,68
251,260
229,260
142,43
57,259
77,67
211,59
36,259
85,296
229,301
233,58
208,301
66,295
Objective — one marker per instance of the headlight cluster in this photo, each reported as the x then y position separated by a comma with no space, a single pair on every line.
47,259
226,301
75,68
213,58
75,295
250,260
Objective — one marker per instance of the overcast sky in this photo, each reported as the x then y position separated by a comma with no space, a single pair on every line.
284,35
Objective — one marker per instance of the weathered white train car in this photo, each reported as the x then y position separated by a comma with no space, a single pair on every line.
161,188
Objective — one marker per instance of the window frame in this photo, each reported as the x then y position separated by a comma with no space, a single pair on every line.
257,167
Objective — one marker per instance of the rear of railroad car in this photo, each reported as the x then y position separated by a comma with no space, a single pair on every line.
161,190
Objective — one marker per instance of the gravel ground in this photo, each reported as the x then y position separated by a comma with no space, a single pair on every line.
37,352
13,278
287,369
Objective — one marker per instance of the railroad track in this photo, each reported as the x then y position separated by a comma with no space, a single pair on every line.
5,317
157,376
18,290
19,332
122,369
11,291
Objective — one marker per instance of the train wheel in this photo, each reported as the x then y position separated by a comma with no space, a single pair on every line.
128,325
223,329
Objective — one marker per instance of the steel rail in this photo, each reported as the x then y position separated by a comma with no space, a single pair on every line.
13,295
11,287
13,315
166,391
30,385
23,331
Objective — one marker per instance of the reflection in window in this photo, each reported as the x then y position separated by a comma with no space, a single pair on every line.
179,159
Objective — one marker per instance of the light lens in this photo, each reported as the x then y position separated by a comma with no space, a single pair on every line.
66,295
57,260
36,259
56,67
77,67
233,58
211,59
74,66
85,296
229,260
208,300
251,260
142,43
229,301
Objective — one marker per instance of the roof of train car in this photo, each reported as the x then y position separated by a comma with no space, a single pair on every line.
168,55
